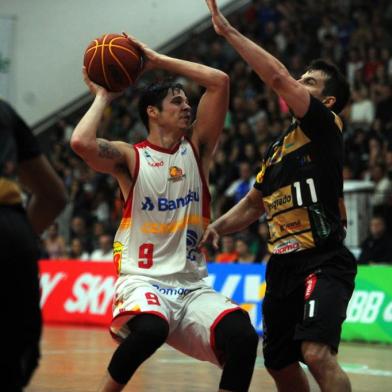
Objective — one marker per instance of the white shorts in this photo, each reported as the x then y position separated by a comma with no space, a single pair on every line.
191,308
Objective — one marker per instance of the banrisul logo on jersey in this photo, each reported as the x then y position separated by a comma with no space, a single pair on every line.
165,204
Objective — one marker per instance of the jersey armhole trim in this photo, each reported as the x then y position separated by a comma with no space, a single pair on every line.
135,175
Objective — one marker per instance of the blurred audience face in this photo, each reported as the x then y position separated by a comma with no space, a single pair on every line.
377,227
245,171
347,173
53,230
263,231
241,247
78,225
228,244
76,248
388,159
99,229
106,243
377,173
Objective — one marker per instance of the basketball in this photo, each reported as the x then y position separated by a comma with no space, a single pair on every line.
112,61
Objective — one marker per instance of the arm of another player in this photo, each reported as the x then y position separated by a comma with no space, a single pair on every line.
239,217
48,192
268,67
101,155
213,104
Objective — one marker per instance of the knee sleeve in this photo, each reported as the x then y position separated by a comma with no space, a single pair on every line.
148,333
238,340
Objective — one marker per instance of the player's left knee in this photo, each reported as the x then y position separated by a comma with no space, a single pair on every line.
236,336
318,356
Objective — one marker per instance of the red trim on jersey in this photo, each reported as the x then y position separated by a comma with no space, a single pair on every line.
128,315
146,143
206,211
219,355
128,203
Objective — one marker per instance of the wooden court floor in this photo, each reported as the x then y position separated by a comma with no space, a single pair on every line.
74,359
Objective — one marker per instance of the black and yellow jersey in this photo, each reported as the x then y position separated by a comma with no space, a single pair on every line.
17,144
302,185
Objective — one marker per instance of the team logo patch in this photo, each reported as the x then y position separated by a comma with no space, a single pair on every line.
117,255
310,284
175,173
287,247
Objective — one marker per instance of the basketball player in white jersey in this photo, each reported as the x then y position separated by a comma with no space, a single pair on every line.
160,295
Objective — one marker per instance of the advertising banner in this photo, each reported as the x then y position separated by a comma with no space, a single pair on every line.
80,292
244,284
77,292
369,314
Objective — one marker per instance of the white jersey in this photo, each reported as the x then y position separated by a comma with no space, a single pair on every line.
165,214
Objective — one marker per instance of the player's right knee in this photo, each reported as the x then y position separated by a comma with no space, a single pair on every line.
150,328
147,334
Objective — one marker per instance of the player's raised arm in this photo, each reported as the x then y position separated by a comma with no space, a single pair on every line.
213,104
269,68
100,154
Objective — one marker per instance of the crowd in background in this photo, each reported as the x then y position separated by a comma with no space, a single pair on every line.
354,34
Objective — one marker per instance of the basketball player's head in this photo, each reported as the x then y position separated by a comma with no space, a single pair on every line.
325,82
166,106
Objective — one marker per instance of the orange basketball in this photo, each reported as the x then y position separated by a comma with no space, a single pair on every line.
113,62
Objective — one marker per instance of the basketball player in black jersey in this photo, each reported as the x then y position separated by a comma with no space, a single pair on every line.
310,276
21,162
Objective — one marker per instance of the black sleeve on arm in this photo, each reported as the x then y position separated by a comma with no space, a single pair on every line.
319,123
28,147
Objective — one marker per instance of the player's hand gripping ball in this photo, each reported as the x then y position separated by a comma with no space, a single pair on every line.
112,61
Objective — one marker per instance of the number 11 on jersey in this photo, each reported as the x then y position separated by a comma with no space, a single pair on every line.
312,190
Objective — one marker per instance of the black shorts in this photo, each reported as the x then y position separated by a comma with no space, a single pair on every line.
19,292
312,310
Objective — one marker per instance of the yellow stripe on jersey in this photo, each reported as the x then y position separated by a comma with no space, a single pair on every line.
280,200
172,227
125,223
291,222
294,140
291,142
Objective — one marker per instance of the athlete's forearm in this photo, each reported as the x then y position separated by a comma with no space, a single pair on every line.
203,75
85,133
238,217
268,67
